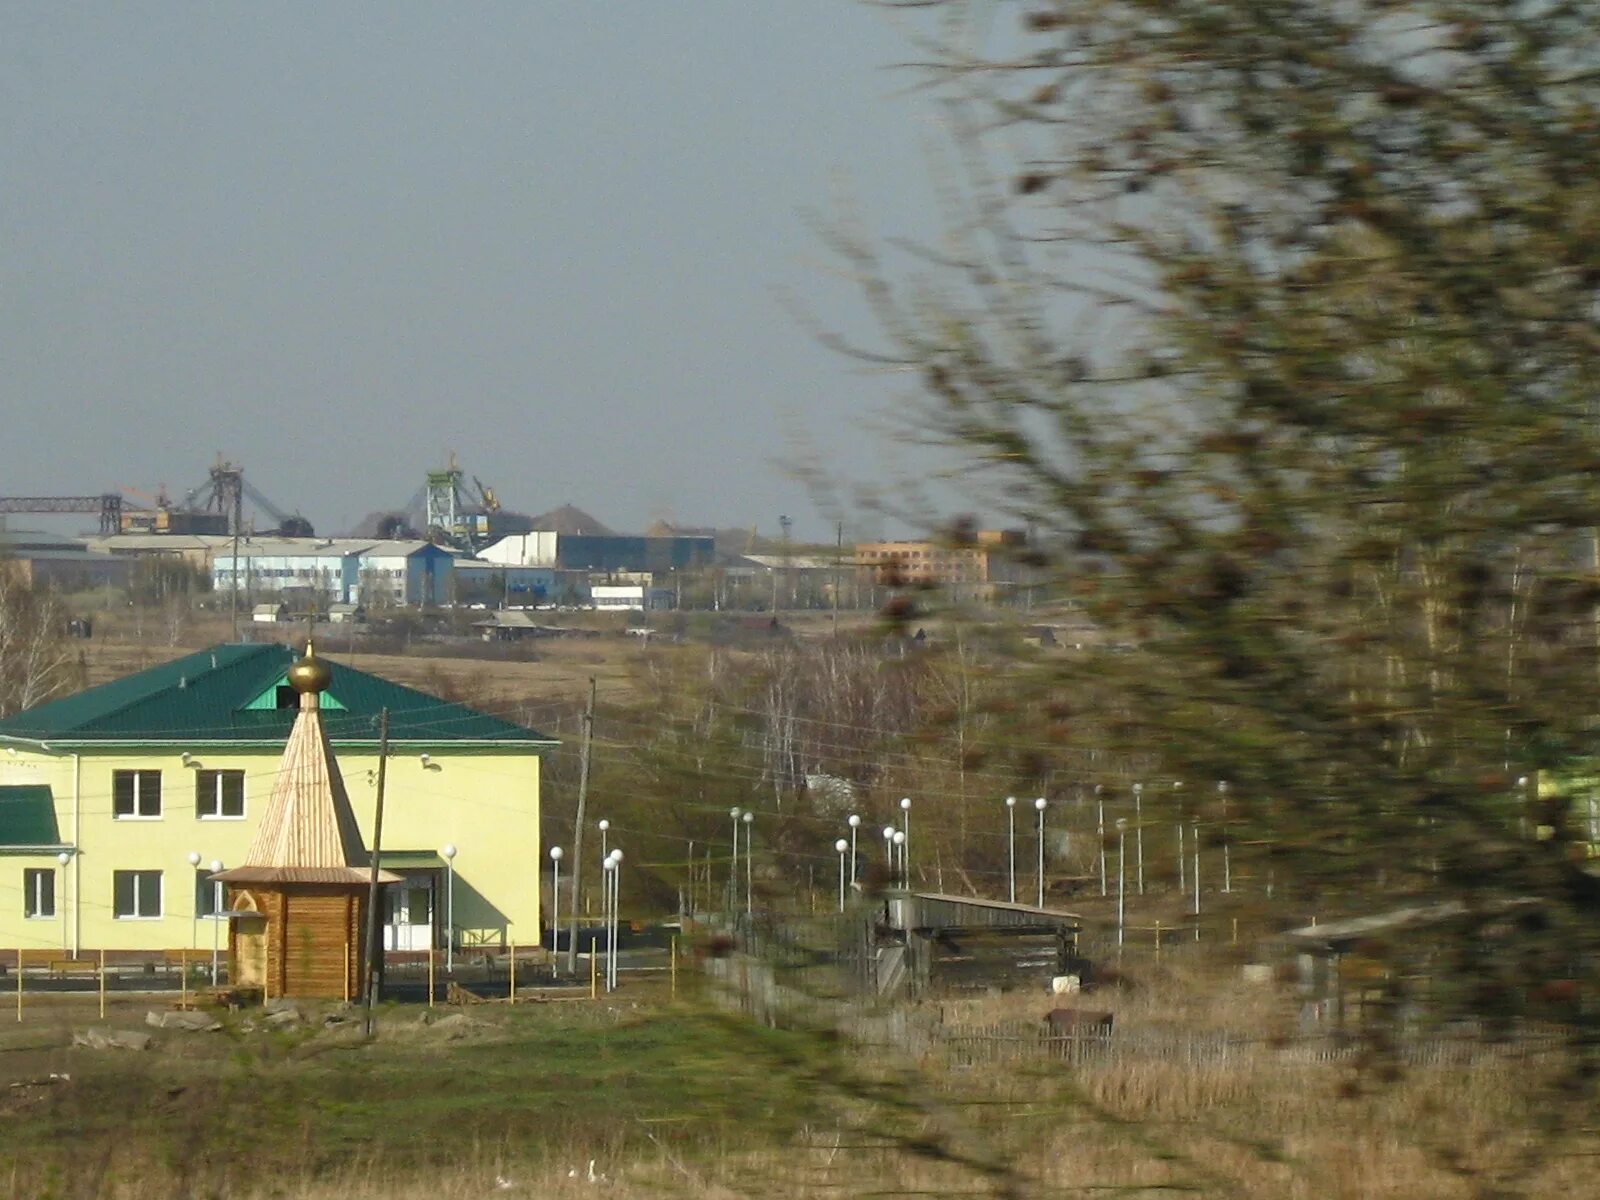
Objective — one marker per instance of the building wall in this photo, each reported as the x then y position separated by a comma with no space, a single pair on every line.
593,552
268,574
496,583
343,575
523,549
486,804
922,562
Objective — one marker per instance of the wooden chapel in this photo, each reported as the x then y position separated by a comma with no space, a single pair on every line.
300,896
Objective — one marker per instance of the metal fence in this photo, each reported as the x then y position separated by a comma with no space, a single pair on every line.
1023,1042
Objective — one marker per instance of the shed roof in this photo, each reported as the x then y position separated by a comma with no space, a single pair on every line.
206,698
1336,936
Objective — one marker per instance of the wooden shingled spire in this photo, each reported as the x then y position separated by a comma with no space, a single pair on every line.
308,833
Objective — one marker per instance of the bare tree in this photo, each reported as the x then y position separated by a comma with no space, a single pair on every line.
36,662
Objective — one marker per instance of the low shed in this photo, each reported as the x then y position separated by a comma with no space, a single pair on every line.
928,942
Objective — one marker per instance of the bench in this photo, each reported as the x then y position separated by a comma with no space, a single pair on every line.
61,967
37,956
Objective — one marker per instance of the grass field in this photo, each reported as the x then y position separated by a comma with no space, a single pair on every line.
538,1088
682,1100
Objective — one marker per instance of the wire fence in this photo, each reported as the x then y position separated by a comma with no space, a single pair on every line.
1022,1042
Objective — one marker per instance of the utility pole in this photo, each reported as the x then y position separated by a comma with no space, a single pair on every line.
788,576
577,833
369,983
838,557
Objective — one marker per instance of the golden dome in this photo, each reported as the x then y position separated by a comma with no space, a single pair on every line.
310,674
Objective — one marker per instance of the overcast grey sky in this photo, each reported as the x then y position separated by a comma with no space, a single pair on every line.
335,241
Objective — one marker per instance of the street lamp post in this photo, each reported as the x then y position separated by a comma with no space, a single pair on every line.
449,853
905,827
1040,804
1122,878
749,820
1177,805
733,870
1227,866
555,901
61,899
900,845
1100,804
842,847
1011,844
216,916
1194,833
194,919
604,826
1138,835
616,912
608,870
888,851
855,823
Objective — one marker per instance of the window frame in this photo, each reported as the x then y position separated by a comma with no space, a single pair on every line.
137,774
217,777
138,894
206,906
32,910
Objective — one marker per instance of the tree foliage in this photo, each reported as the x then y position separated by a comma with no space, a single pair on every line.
1278,321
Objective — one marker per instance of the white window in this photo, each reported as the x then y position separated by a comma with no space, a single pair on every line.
38,893
219,795
135,895
136,795
207,893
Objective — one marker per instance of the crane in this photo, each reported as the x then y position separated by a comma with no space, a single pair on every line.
107,504
224,491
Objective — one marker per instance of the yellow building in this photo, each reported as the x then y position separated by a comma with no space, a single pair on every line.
117,804
987,560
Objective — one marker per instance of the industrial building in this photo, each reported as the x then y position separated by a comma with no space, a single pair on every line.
63,563
342,570
498,585
602,553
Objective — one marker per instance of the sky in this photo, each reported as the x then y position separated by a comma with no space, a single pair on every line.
337,242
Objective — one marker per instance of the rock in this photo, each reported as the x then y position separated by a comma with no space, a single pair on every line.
189,1022
455,1026
111,1039
280,1004
1257,973
336,1020
1066,985
282,1018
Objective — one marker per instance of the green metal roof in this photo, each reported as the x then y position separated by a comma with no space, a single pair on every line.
28,816
409,860
206,698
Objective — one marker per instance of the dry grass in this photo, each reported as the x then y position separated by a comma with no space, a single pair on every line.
559,675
